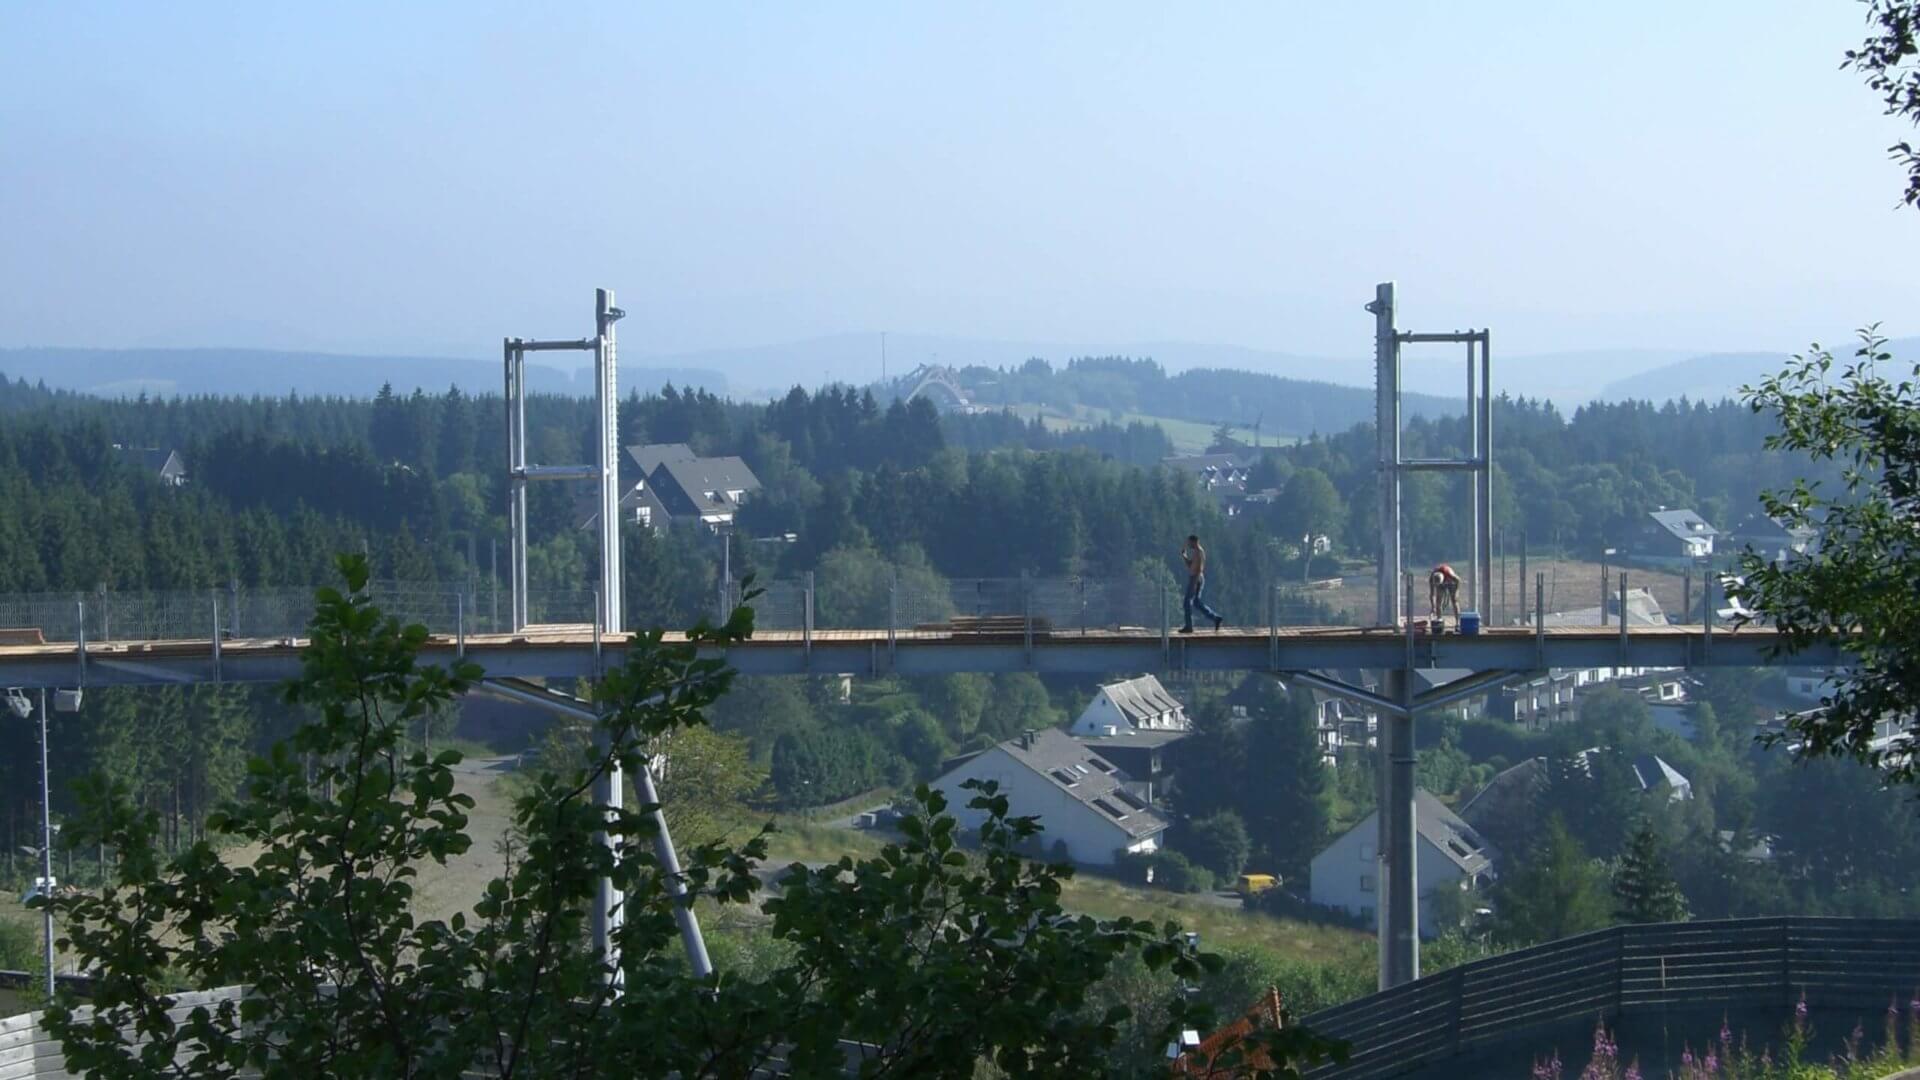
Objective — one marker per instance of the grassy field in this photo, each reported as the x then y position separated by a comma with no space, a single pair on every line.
1188,436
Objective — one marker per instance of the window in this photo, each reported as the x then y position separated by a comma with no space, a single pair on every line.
1366,882
1366,852
1081,769
1063,776
1101,764
1109,809
1130,798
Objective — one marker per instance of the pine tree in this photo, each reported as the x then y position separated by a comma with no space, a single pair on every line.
1556,891
1643,887
1289,787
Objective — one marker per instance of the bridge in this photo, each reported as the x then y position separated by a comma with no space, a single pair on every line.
564,651
994,626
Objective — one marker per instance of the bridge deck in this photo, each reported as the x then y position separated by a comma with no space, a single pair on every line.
560,651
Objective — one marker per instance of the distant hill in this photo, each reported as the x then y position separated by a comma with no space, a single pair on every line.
245,372
1721,375
1567,378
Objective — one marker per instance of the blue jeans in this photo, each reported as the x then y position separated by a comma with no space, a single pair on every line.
1195,598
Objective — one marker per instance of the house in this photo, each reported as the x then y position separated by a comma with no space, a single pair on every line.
1087,805
1211,470
639,506
1674,537
1771,538
1224,476
1451,855
1131,705
1654,775
1143,755
1426,679
708,490
163,465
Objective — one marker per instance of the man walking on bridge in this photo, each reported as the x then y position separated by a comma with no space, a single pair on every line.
1195,557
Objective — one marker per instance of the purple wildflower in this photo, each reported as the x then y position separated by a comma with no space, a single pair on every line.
1800,1012
1712,1064
1686,1057
1726,1034
1633,1071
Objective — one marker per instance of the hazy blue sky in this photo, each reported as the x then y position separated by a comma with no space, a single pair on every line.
428,178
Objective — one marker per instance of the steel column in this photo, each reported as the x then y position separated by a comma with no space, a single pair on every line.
1473,489
1486,472
1398,880
607,445
1386,386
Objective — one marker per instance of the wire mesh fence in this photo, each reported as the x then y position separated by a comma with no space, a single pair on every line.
880,596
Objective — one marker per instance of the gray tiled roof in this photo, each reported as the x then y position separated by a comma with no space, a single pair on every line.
1684,524
1141,699
1455,839
1095,780
652,455
697,476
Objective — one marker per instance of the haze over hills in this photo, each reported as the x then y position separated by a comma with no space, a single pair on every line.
1568,379
245,372
1718,375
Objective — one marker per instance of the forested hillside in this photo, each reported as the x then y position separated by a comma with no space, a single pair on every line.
1117,385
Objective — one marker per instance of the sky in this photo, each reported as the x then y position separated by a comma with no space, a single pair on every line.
428,178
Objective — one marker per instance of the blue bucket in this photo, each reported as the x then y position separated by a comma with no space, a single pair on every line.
1469,622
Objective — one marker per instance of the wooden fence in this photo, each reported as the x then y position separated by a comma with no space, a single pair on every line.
1730,964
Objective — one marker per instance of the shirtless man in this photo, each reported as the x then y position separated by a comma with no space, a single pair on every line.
1195,557
1443,588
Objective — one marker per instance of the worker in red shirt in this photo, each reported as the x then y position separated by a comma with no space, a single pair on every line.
1443,588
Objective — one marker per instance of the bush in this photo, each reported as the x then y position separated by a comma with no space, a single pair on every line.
19,946
1176,873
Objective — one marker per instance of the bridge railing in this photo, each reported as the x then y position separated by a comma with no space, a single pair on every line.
866,596
1722,966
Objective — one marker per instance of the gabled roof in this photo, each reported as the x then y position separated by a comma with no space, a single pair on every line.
1140,699
650,456
1764,528
1454,838
1460,842
1652,770
1684,524
695,477
1086,776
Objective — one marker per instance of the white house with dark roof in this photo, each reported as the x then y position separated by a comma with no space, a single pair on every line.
1131,705
1451,855
1081,799
1675,536
709,490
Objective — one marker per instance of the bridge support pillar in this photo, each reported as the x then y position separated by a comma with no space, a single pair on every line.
1398,880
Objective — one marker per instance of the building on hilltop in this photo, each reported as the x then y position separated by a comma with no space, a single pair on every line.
165,466
1673,537
1452,855
1087,804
